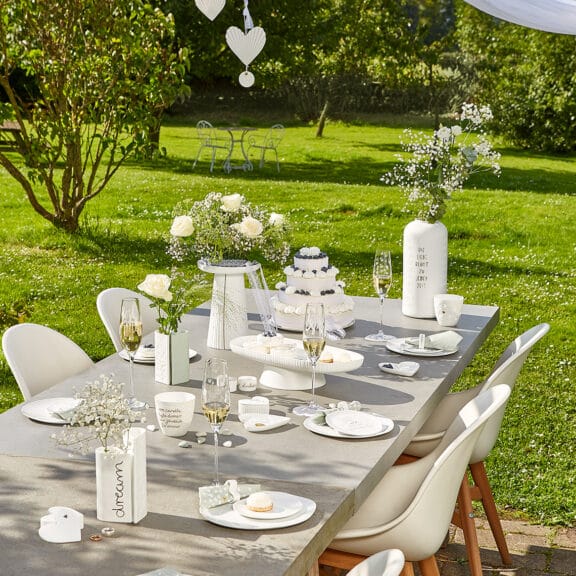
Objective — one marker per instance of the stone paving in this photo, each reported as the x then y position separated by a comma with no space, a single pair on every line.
535,550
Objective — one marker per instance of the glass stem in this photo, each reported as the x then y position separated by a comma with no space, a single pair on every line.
313,400
216,471
131,393
382,314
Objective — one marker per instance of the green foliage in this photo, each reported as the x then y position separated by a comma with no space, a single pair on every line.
505,249
14,313
103,70
527,76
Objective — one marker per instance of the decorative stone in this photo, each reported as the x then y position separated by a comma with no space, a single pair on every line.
201,439
184,444
200,434
151,427
227,444
225,432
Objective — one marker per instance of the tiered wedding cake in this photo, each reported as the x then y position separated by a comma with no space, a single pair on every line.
311,279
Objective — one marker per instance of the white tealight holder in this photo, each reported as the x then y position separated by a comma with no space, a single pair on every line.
257,405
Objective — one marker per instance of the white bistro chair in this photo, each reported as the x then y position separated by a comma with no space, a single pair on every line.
109,302
270,142
411,508
40,357
209,138
505,371
385,563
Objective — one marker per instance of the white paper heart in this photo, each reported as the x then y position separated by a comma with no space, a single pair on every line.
246,46
210,8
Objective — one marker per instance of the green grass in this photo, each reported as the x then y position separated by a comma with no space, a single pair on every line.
512,243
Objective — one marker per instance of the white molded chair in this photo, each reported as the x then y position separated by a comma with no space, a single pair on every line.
209,138
411,508
109,303
270,142
385,563
505,371
40,357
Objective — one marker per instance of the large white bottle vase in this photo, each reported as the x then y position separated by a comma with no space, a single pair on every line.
425,267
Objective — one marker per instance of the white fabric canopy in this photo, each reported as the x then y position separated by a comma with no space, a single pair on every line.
548,15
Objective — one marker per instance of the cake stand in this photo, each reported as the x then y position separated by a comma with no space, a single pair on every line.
286,366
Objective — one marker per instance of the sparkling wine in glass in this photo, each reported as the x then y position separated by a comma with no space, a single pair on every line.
216,401
314,340
382,278
131,336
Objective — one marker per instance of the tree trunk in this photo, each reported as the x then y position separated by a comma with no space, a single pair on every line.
322,121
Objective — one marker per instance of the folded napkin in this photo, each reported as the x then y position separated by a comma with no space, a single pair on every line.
230,491
320,417
66,410
448,340
146,352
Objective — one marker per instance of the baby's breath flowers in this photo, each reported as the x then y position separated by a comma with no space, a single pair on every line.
441,163
102,416
221,227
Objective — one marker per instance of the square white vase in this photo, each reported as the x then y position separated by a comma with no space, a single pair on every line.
172,358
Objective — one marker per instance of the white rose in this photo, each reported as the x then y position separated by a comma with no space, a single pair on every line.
276,219
157,286
308,274
305,251
182,226
249,227
290,290
314,251
456,130
232,202
280,285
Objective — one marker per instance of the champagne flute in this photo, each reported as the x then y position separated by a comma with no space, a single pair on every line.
382,277
131,336
216,401
314,340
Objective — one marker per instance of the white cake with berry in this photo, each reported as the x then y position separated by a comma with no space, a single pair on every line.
311,279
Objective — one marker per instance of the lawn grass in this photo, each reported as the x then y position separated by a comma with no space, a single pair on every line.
512,243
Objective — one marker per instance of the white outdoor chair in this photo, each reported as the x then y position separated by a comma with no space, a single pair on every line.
386,563
411,508
270,142
209,138
109,303
40,357
505,371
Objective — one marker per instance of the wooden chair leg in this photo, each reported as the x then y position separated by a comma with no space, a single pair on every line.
469,528
339,559
480,478
429,567
408,569
314,570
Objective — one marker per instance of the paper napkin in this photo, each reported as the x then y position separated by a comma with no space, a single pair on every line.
230,491
448,340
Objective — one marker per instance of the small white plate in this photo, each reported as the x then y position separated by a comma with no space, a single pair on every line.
401,346
284,505
43,410
263,422
401,368
228,517
309,424
354,422
149,359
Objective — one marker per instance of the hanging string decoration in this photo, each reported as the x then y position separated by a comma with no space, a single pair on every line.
246,45
210,8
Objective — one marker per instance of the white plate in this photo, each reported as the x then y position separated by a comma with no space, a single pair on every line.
401,368
354,423
309,424
42,410
400,346
228,517
284,505
149,359
263,422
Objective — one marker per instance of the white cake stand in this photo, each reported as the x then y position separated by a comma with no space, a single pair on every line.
286,366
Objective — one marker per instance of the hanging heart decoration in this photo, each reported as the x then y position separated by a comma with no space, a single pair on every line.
246,46
210,8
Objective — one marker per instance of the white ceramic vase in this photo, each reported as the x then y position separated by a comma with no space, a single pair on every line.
171,358
228,317
121,480
425,267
